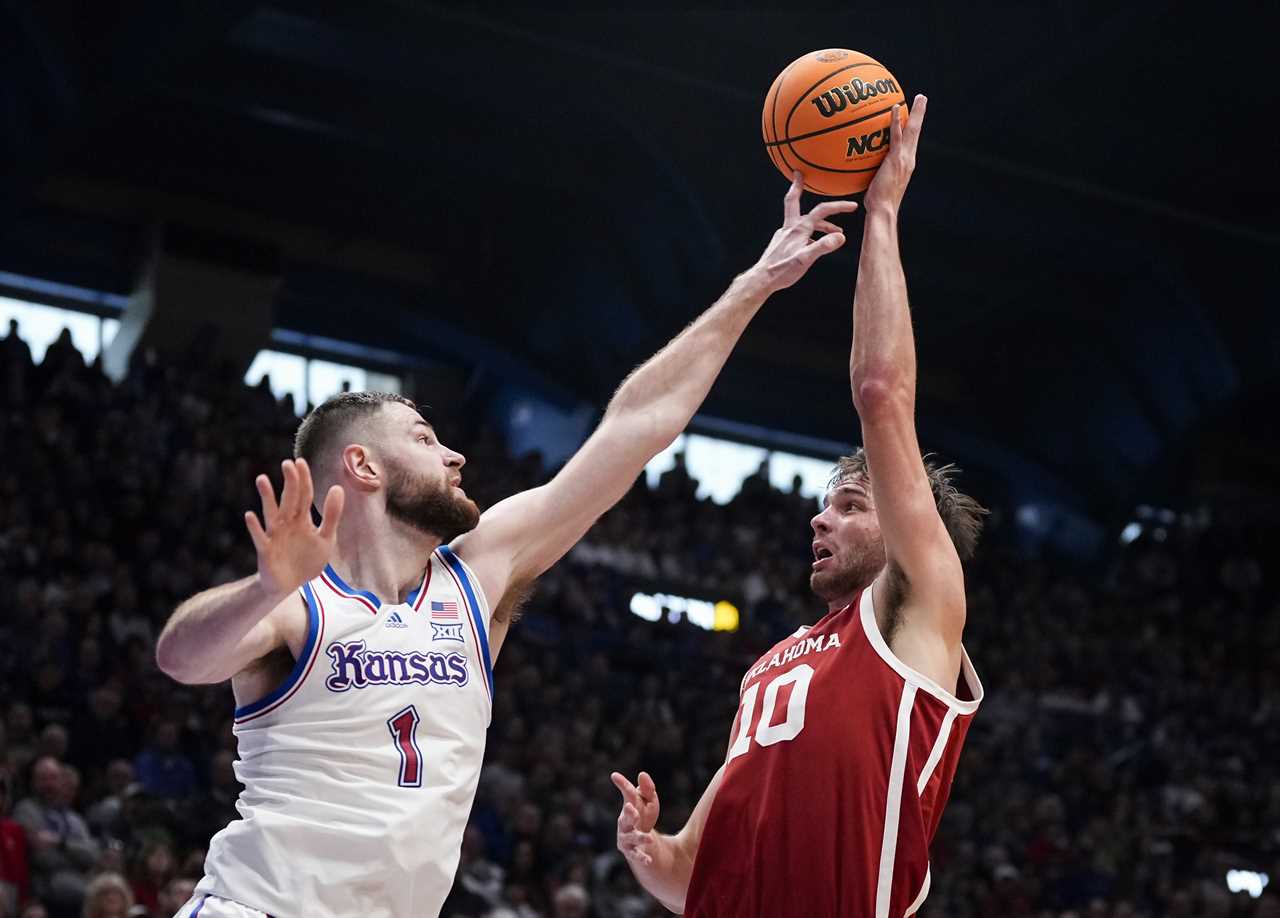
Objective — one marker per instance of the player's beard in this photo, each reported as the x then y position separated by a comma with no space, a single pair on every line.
854,568
435,510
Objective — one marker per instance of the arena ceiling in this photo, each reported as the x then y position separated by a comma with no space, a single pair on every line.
1091,239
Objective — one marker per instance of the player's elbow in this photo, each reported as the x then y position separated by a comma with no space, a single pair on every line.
175,664
880,395
167,660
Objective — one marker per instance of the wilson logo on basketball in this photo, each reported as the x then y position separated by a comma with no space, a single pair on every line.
868,143
851,93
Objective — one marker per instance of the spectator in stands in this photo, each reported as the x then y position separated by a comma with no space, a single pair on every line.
105,816
107,896
175,894
61,848
15,876
151,874
20,738
162,768
103,733
1132,724
571,901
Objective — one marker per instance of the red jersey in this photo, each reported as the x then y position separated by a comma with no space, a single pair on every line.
840,767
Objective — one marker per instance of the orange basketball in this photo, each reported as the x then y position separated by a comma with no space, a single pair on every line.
827,115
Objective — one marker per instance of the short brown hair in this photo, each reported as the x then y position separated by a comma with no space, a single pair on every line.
330,420
961,514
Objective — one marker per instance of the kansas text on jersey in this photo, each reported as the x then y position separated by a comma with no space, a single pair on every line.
360,770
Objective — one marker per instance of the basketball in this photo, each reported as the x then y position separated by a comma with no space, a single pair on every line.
827,115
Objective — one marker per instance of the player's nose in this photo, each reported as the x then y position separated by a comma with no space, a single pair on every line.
454,458
819,522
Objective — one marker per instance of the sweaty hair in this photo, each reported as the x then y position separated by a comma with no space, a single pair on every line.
961,514
328,422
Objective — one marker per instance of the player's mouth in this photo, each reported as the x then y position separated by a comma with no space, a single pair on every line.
821,555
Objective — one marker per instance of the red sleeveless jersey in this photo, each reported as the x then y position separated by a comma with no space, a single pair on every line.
840,766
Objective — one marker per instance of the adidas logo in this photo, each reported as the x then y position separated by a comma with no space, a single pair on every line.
395,621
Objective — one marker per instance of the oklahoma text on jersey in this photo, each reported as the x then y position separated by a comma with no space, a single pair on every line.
839,767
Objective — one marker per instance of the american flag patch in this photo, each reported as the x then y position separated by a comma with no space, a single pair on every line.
444,611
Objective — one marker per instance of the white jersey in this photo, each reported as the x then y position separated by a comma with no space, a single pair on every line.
360,770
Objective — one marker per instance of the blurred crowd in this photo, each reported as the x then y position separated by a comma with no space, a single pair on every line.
1125,758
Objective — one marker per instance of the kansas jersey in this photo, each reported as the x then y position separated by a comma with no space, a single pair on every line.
360,770
840,765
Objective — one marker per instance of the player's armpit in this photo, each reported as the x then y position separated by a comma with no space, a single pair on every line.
506,614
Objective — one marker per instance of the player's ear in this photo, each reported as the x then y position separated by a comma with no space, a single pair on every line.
360,468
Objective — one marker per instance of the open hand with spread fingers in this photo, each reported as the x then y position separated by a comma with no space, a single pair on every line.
291,548
794,248
890,184
636,838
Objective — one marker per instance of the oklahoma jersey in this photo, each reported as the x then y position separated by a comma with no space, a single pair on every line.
360,770
840,766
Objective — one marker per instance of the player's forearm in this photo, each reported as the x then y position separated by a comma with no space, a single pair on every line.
882,366
662,395
205,630
667,878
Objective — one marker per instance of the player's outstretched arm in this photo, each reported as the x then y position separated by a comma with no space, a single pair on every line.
217,633
524,535
663,864
922,559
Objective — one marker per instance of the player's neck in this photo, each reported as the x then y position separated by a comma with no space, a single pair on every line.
385,557
840,602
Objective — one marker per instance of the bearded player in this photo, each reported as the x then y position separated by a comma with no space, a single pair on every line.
848,732
361,655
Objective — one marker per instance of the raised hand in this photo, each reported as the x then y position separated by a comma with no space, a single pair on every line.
890,184
292,549
636,838
793,248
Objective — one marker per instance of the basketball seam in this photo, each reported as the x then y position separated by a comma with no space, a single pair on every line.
816,190
800,98
828,130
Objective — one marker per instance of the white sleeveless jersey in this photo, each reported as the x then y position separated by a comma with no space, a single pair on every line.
360,770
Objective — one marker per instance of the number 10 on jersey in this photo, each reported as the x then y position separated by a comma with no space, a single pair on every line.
768,733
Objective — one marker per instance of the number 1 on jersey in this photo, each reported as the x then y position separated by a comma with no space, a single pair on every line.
768,733
404,730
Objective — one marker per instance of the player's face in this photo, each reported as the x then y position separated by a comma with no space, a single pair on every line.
848,550
424,478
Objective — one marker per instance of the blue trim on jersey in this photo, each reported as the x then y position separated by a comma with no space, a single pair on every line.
200,907
333,575
313,632
455,565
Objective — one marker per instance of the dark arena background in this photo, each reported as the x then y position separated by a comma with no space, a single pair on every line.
213,215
